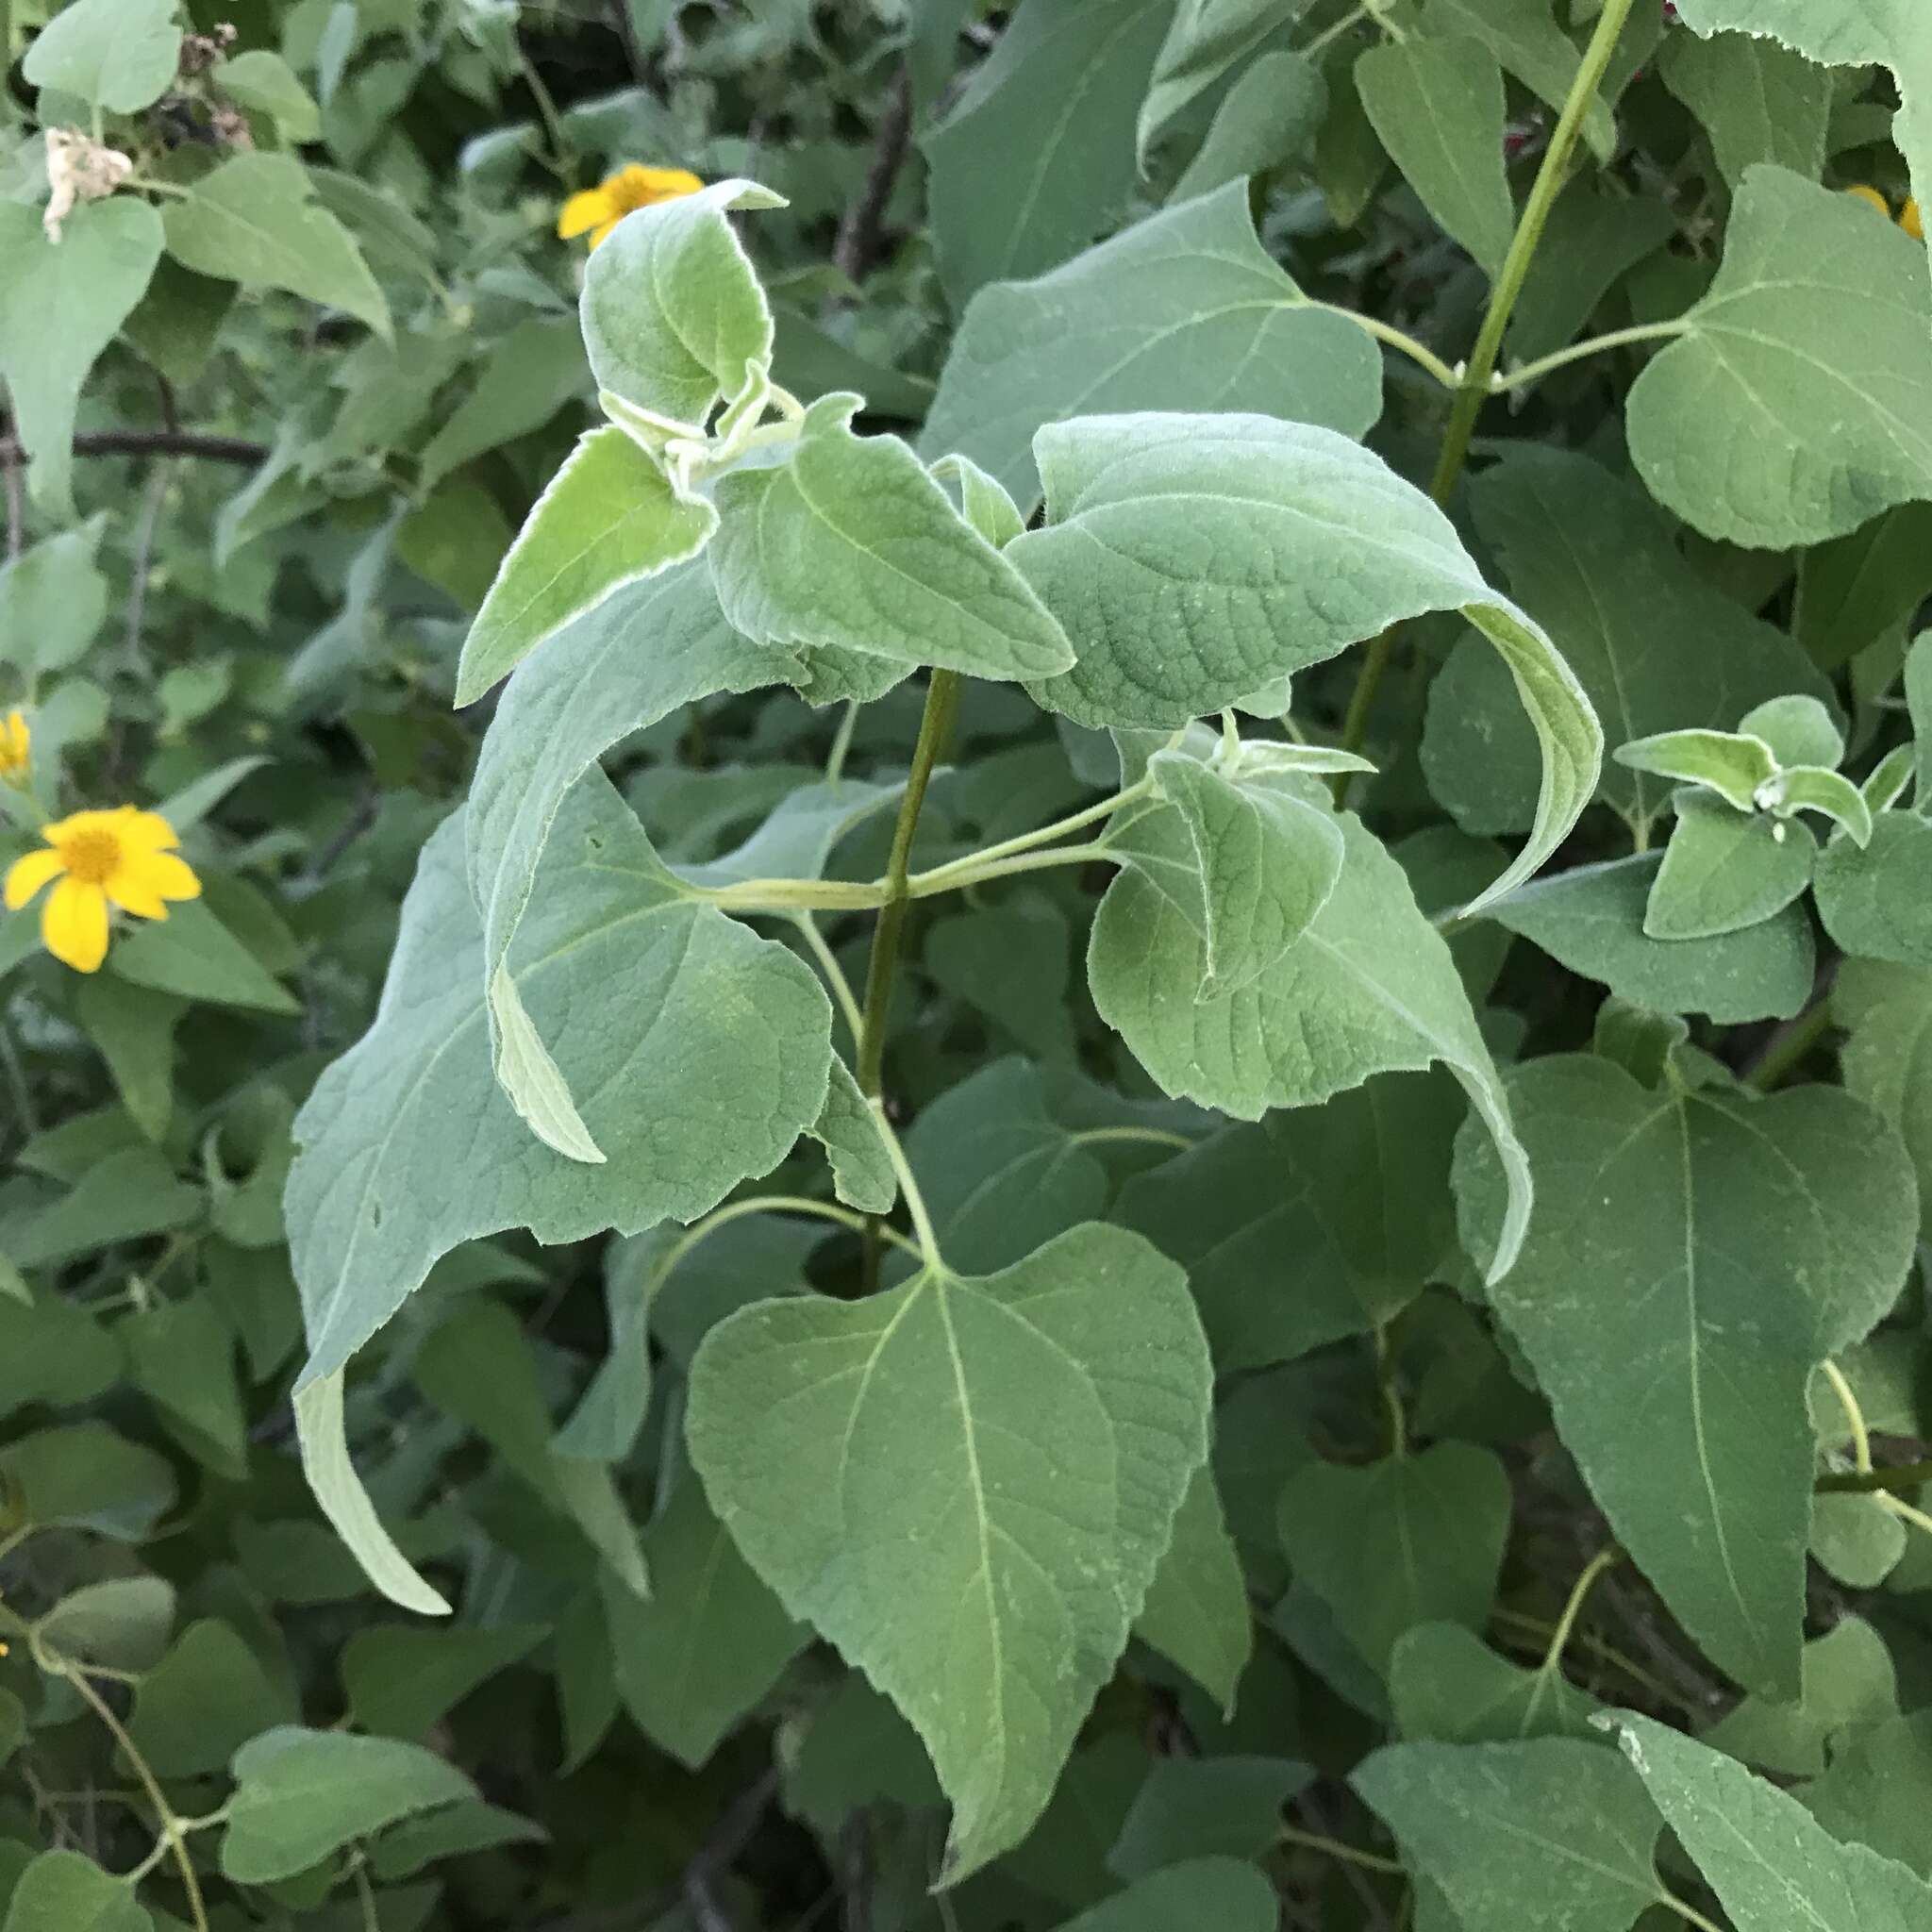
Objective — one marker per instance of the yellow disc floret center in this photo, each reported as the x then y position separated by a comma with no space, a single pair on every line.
90,856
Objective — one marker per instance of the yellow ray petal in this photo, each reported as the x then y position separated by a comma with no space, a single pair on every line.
1863,192
154,875
1912,220
587,209
26,876
73,923
145,831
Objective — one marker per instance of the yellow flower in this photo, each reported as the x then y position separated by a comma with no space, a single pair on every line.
1865,191
16,745
124,855
1911,221
600,208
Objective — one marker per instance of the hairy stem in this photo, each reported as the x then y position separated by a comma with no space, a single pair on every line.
1527,373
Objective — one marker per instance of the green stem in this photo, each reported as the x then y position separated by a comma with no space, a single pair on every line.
935,727
1781,1057
1347,24
834,974
1335,1848
1151,1136
792,895
915,1201
1559,1638
1690,1914
1419,352
1866,1482
1527,372
923,886
938,879
841,743
1391,1396
771,1204
1474,388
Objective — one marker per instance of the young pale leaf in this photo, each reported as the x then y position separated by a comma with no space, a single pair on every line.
253,220
1268,862
1192,558
609,517
1798,402
1773,1866
1591,919
1368,988
1731,763
1184,310
708,1642
1584,553
1693,1258
1889,779
966,1484
1436,103
120,55
1759,101
1554,1821
300,1796
1413,1539
1039,149
854,1140
706,1072
1831,794
1205,38
63,1892
1197,1613
1724,871
1799,730
983,499
1280,1226
850,543
61,305
672,314
1872,899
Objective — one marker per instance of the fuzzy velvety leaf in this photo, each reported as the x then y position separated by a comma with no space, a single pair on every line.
1551,1832
1184,310
1370,987
1437,105
672,314
1798,402
855,1142
1272,112
60,304
1195,558
1591,919
1724,871
1772,1865
1693,1258
254,220
608,517
1872,899
966,1484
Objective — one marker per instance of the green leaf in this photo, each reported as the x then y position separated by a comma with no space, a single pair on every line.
125,1194
526,377
1196,1613
1031,1433
1205,38
253,220
134,1029
1798,402
1190,1807
1377,974
193,955
1888,1056
731,1034
672,314
855,1141
53,599
1194,558
1446,1685
1529,42
1413,1539
709,1642
1761,1852
1858,588
1872,898
1847,33
1693,1258
1591,919
203,1702
60,304
120,55
1799,730
1733,764
609,517
62,1892
302,1794
1223,1893
1592,241
1273,113
1873,1795
1436,103
1919,704
123,1623
84,1476
1847,1682
1309,1183
266,83
182,1357
851,543
1758,100
1586,556
1184,310
1724,871
1552,1821
1040,147
404,1678
603,1425
1831,794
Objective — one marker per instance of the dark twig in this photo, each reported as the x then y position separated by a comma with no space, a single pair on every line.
857,248
149,443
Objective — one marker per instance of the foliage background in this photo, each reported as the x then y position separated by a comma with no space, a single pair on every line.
310,411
